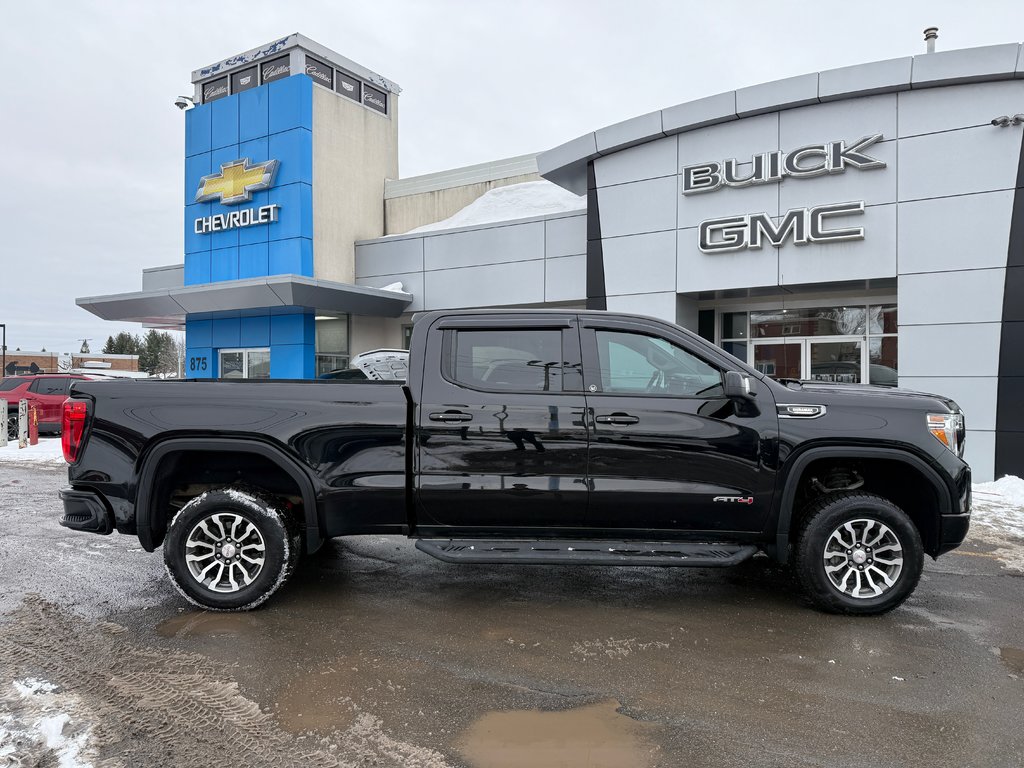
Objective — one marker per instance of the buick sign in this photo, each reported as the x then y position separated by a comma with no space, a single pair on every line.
772,167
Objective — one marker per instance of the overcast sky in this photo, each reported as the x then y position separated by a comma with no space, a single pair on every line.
93,146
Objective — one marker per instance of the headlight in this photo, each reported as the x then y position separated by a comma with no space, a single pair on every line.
948,429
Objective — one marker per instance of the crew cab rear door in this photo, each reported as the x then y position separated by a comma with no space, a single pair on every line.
667,449
501,435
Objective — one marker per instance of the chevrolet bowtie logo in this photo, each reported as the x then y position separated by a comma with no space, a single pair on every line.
236,181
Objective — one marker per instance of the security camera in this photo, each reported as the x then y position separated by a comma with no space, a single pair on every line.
1002,120
1017,119
184,102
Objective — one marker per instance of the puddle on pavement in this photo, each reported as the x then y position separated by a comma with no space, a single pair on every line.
595,736
317,702
207,624
1013,658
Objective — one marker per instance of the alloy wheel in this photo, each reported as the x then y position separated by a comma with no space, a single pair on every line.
225,552
863,558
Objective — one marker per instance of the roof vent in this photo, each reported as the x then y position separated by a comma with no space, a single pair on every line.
931,34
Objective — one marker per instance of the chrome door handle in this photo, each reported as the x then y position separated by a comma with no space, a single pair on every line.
617,418
450,416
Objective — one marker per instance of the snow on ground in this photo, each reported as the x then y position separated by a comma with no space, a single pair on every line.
39,725
516,201
998,518
48,451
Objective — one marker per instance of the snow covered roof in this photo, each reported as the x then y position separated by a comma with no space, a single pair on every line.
516,201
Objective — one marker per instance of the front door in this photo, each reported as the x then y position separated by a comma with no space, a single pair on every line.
501,435
667,450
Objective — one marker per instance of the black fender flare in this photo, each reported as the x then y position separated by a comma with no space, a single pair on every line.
794,468
151,462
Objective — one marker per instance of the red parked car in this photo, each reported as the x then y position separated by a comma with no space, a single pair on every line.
48,391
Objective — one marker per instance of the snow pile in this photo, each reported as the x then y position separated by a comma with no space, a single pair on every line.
48,451
1000,505
997,518
516,201
36,729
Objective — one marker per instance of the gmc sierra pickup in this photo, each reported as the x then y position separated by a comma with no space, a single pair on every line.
544,436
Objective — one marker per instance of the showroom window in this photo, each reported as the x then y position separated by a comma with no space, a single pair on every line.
848,344
332,344
245,363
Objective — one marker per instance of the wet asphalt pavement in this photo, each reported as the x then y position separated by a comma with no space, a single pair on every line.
376,654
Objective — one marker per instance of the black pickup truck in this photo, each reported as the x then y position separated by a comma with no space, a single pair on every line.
542,436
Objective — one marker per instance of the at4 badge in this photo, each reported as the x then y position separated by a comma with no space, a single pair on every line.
736,499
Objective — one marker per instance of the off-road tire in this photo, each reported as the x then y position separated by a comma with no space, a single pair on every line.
826,516
280,536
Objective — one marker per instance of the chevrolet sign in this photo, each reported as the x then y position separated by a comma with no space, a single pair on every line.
247,217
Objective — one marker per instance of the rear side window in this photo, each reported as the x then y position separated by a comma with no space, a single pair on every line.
6,385
508,361
50,386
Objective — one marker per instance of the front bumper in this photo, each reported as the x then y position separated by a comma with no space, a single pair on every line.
953,528
85,510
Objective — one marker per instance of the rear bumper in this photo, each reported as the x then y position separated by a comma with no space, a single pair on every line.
85,510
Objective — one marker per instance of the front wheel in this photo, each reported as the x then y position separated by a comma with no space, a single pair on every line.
230,549
858,553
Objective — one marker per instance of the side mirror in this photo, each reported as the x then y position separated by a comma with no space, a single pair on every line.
739,387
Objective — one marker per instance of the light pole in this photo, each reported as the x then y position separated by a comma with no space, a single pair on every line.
3,350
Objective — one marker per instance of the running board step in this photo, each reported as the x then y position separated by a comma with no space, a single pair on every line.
548,552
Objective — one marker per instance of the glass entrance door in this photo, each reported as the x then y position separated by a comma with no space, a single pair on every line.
836,360
839,361
779,359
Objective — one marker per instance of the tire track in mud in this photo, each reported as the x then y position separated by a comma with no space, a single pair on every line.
150,706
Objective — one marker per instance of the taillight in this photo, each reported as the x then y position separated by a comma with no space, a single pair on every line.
73,428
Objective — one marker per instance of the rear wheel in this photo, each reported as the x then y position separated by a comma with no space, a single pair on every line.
858,553
230,549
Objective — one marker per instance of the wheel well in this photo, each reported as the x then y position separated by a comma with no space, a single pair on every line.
900,482
185,474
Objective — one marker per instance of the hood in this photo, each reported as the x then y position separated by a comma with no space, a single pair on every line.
829,393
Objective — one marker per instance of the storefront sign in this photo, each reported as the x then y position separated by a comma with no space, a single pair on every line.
247,217
320,72
772,167
244,79
347,86
275,70
801,225
236,181
375,99
215,89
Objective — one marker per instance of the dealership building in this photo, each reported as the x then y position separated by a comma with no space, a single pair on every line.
862,224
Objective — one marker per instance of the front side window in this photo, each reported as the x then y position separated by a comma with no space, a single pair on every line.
509,361
632,363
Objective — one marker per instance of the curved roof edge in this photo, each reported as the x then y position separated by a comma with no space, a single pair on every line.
566,164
